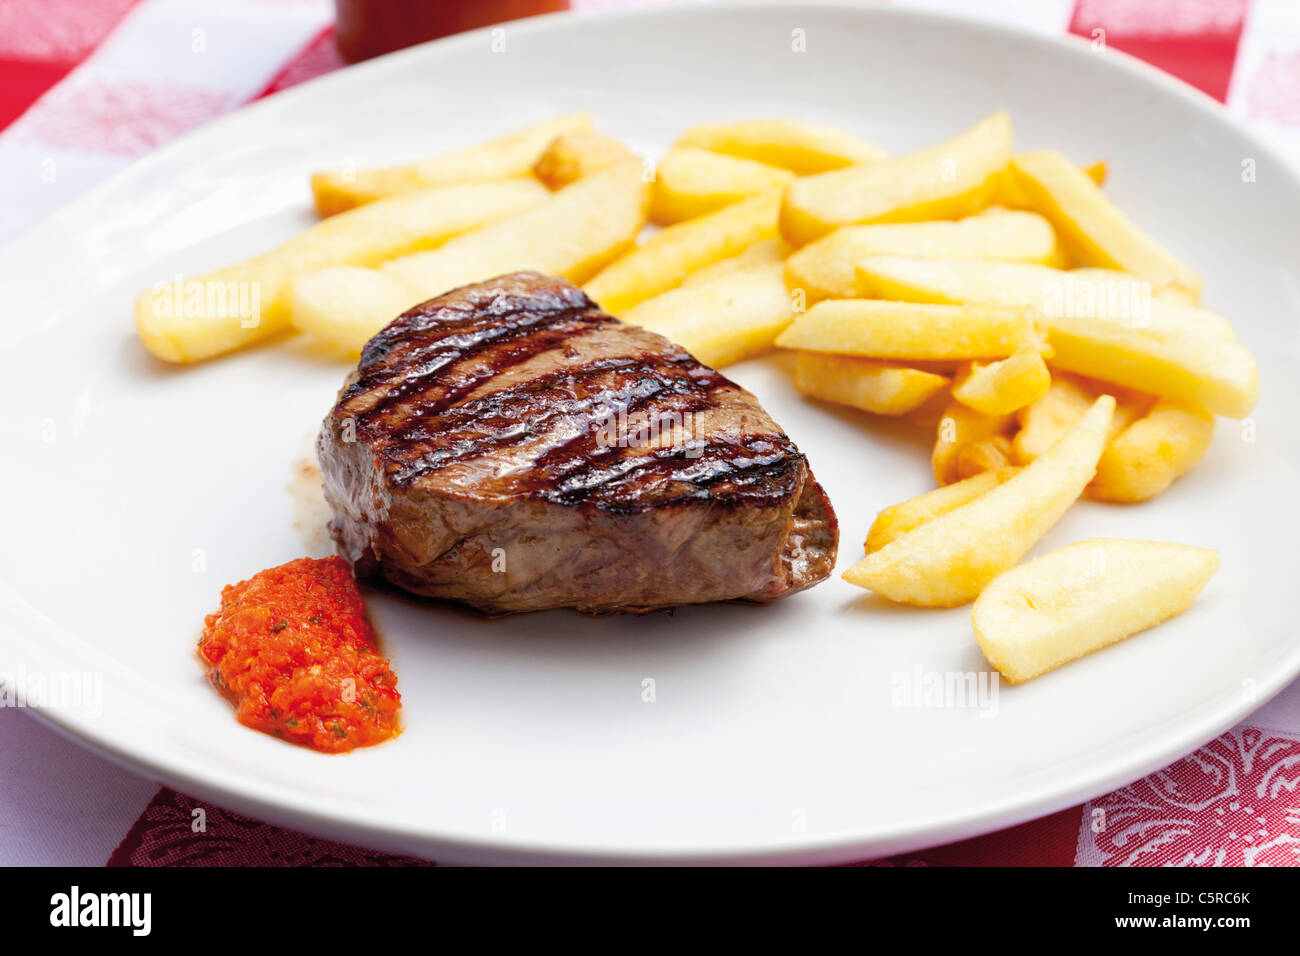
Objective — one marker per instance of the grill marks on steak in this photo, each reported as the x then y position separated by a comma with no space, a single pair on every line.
413,361
533,411
477,422
424,407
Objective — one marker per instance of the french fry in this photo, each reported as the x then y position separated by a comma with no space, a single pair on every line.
574,234
1071,602
954,281
691,182
765,252
1044,421
728,319
344,306
802,148
826,267
365,236
1089,293
665,260
1162,358
949,560
577,153
902,330
998,388
901,518
1138,341
571,234
1056,256
1146,457
968,442
226,314
883,388
407,223
505,158
1056,411
1091,225
1167,293
943,181
1067,399
1012,194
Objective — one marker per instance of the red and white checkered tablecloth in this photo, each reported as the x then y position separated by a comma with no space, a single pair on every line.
87,86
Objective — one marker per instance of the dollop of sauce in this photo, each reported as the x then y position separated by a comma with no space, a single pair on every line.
293,650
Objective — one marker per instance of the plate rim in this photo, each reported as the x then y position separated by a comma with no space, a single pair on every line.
858,843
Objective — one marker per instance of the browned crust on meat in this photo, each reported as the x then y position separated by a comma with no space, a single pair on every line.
486,414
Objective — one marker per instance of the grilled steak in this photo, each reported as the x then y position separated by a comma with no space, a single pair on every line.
511,446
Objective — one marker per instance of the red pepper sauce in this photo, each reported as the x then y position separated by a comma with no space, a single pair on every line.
293,650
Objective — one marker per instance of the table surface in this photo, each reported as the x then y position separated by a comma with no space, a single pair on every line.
87,86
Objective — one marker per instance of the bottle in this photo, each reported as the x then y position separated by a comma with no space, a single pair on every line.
367,28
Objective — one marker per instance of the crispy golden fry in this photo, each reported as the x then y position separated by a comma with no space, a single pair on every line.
691,182
1067,399
998,388
901,518
949,560
572,233
505,158
765,252
884,388
943,181
214,313
1056,256
952,281
665,260
1087,293
727,319
1012,194
903,330
1093,227
366,236
1162,358
344,306
408,223
826,267
1044,421
577,153
968,442
802,148
1146,457
1097,329
1071,602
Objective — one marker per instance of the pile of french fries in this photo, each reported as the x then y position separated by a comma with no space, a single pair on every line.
1055,348
1061,350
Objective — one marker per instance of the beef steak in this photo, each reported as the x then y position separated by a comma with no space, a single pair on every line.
511,446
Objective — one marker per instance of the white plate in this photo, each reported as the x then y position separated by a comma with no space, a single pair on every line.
136,491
